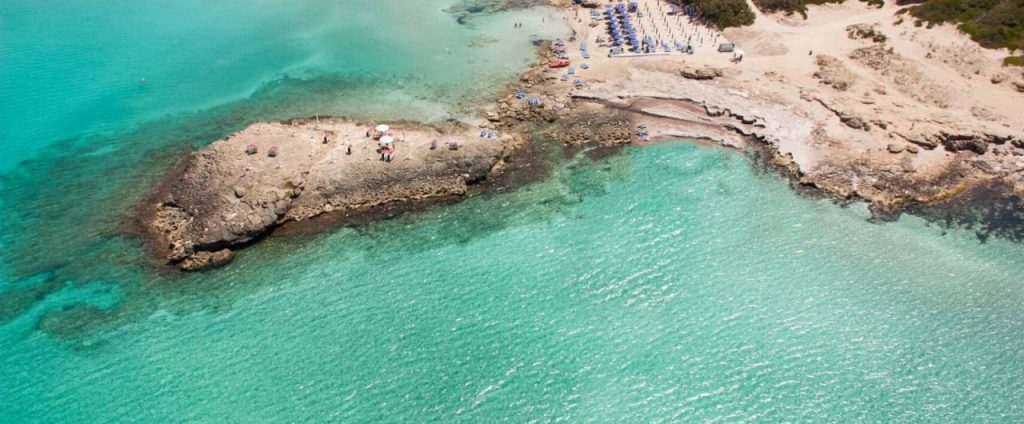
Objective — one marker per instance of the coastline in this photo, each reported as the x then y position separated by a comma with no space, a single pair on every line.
801,127
847,124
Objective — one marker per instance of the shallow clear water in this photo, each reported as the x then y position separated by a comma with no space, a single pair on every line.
669,284
89,68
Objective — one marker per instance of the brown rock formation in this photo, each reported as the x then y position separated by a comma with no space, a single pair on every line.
222,197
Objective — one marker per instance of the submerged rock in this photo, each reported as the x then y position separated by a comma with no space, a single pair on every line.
203,260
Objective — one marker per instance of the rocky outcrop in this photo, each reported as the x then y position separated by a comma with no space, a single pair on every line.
891,179
202,260
958,142
903,73
701,72
833,73
221,197
847,118
604,128
974,141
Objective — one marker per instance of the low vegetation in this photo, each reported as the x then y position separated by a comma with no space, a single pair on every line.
721,14
790,6
992,23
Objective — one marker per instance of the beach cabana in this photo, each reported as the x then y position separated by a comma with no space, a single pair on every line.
386,141
726,47
383,128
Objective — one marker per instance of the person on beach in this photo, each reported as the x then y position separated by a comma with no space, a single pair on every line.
348,148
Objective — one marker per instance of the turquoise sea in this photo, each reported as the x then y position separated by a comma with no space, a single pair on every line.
674,283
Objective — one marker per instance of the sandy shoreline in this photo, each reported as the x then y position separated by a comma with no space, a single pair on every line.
894,119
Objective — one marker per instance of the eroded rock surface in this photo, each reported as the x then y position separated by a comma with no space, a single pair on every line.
222,197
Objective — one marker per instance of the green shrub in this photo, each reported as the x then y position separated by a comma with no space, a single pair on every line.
721,14
790,6
1014,61
991,23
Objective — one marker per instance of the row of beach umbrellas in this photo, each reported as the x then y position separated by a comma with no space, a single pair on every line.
615,29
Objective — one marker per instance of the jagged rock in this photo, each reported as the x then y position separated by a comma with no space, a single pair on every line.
701,72
913,149
919,140
1019,85
959,142
595,128
854,122
894,148
999,78
240,192
206,260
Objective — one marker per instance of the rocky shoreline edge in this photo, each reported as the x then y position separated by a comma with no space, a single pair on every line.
198,215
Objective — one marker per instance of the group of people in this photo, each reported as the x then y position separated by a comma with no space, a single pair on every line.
386,147
386,153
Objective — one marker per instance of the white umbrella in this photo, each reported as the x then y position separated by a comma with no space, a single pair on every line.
387,140
383,128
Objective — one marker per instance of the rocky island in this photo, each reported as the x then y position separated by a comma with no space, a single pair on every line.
238,189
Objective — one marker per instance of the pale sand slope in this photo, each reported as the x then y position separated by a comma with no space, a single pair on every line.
852,129
221,196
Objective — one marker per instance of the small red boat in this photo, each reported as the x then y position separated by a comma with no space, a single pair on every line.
250,149
273,152
559,64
